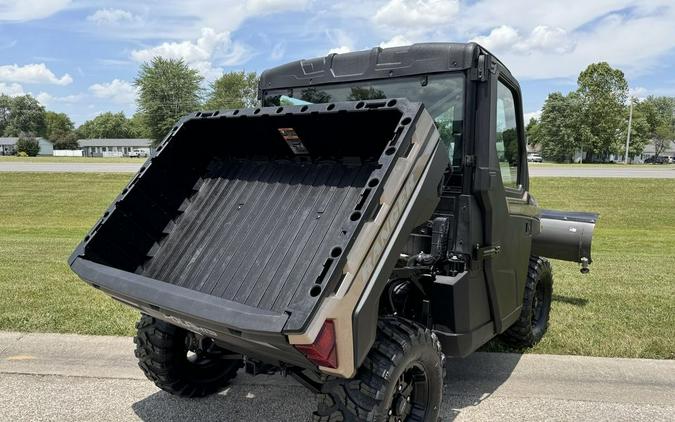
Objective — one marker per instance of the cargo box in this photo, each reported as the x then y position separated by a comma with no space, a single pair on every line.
242,220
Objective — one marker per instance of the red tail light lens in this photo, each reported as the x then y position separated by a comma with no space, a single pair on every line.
323,351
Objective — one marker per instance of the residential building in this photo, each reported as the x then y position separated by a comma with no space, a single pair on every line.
115,147
8,146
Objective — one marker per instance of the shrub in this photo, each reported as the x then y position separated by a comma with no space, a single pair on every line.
30,146
68,141
22,154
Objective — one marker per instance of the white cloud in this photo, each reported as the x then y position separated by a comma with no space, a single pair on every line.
47,99
32,74
118,91
201,54
271,6
278,51
26,10
417,14
181,20
396,41
532,114
633,43
112,17
500,37
342,39
542,39
340,50
11,89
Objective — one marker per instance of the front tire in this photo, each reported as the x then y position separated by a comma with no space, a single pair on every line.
529,329
401,379
167,356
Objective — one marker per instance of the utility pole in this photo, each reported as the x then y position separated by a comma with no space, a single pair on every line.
630,122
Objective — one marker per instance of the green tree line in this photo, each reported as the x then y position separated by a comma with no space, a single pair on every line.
593,119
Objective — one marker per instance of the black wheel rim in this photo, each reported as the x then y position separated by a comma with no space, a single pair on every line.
411,395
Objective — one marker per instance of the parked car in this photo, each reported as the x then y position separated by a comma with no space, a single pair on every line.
662,159
534,158
138,153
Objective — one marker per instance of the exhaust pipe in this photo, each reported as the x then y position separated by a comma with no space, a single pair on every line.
565,235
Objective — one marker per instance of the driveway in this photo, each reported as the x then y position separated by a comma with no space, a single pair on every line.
83,378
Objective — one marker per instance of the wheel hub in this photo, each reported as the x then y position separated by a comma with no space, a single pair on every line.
411,393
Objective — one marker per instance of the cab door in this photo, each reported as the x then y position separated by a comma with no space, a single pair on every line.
500,178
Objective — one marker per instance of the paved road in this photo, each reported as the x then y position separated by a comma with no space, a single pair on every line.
660,172
83,378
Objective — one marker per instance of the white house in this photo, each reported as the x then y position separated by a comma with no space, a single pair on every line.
649,151
115,147
8,146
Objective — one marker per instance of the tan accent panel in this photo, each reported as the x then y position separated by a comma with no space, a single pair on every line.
366,252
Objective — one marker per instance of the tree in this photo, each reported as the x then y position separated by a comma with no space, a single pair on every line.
169,89
28,145
22,115
6,103
234,90
106,125
659,116
662,138
602,92
558,130
358,93
639,134
314,96
533,130
67,142
58,126
138,126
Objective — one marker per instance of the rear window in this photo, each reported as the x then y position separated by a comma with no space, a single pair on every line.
442,95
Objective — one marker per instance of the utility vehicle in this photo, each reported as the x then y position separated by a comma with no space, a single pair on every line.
369,220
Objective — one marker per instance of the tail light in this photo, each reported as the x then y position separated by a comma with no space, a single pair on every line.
323,351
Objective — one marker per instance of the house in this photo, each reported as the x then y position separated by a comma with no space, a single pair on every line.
115,147
649,151
8,146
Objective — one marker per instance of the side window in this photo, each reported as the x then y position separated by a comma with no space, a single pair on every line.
508,151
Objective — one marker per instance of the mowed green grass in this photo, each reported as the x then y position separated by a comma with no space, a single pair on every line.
42,218
624,307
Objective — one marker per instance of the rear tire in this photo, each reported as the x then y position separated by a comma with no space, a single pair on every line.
534,316
400,379
164,356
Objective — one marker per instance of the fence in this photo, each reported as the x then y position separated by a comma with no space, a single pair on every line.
67,153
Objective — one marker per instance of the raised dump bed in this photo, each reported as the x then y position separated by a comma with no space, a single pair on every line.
244,218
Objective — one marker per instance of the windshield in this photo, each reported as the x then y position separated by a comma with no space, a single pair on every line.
442,95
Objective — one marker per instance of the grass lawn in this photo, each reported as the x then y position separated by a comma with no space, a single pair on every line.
605,165
625,307
13,159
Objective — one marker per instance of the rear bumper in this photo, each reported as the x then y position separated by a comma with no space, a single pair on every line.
241,328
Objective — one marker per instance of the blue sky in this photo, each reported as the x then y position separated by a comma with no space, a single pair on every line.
81,57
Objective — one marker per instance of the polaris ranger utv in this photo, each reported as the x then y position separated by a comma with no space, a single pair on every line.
372,218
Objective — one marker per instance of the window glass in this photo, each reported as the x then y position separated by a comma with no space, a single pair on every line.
442,95
508,151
